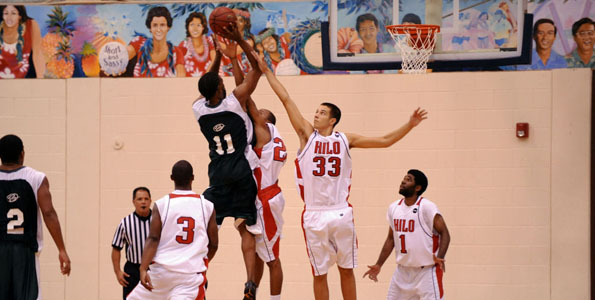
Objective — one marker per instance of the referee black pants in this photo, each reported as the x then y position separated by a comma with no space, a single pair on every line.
134,272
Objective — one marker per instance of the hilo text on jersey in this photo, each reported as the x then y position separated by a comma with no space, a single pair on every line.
325,148
403,225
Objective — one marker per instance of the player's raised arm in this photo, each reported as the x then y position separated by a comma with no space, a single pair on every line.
359,141
245,89
440,227
44,198
214,67
302,127
150,248
387,249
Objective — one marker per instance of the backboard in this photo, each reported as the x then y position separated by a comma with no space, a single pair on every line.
473,32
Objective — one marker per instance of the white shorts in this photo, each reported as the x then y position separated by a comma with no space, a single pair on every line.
422,283
330,238
269,217
171,285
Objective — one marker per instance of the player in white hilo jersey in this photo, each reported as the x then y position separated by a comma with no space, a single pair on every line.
420,238
323,171
182,239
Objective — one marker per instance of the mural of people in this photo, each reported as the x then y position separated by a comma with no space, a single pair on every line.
244,25
367,28
543,56
482,31
501,28
20,37
274,48
583,32
156,56
411,19
198,48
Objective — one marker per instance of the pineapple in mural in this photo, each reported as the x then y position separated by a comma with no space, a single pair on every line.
62,64
60,30
90,60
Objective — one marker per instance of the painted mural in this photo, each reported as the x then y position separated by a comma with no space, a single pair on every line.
122,40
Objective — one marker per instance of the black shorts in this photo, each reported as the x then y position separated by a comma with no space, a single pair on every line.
134,271
236,199
18,275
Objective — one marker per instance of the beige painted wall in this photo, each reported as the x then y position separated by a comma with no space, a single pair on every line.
518,210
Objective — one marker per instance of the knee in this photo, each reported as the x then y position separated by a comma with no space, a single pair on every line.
346,272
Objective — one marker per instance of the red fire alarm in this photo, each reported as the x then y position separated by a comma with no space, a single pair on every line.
522,130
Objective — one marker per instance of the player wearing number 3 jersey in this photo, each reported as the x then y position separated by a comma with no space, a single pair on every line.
420,238
182,239
323,171
24,192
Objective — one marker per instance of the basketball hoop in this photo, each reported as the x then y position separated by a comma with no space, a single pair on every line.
416,43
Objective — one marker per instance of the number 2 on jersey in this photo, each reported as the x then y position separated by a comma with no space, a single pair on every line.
188,229
13,225
219,147
280,150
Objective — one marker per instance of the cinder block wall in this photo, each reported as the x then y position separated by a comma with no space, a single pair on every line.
517,210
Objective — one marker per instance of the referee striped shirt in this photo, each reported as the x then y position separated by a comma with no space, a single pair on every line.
132,232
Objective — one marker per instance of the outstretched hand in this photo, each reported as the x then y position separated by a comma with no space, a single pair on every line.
228,47
262,65
418,115
232,32
373,272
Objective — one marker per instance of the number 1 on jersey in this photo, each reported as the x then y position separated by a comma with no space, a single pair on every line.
228,140
403,248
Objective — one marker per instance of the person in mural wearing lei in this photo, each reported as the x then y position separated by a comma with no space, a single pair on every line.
274,48
20,38
198,48
244,25
156,56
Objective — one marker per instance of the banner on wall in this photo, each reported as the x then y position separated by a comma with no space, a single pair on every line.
117,40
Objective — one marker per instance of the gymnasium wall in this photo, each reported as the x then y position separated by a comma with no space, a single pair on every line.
517,209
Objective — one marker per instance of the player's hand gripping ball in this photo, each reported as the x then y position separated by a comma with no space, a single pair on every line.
220,18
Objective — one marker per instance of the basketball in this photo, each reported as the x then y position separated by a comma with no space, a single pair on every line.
220,18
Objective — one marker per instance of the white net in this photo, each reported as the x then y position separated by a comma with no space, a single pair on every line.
416,45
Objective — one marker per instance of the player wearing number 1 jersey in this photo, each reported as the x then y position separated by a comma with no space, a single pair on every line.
323,171
24,192
182,239
420,238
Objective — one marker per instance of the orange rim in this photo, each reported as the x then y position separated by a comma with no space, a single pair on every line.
424,29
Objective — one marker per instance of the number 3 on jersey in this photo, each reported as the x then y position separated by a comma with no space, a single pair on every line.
188,238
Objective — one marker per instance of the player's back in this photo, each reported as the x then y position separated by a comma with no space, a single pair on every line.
183,245
20,220
415,240
323,171
228,131
272,158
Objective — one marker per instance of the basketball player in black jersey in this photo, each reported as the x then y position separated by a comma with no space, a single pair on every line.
22,191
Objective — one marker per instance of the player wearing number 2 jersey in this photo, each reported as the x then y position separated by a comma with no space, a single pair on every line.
420,238
323,171
24,192
182,239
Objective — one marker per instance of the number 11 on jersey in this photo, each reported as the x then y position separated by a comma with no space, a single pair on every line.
229,142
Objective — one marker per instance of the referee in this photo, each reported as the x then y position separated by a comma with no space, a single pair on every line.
132,232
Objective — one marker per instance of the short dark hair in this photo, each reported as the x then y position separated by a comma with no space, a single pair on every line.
201,17
411,18
580,23
208,84
22,12
365,17
11,147
182,173
140,188
335,111
158,11
543,21
420,179
271,118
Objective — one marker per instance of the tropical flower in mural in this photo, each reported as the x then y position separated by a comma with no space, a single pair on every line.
56,44
300,35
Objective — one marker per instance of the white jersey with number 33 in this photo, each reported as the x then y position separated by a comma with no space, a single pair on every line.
183,244
413,232
323,171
